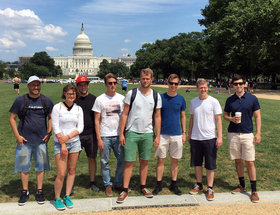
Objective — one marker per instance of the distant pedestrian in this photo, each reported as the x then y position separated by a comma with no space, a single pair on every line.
218,87
68,123
241,139
32,133
204,121
124,86
16,82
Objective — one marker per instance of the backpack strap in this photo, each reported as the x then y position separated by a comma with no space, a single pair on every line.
25,108
155,95
43,101
132,98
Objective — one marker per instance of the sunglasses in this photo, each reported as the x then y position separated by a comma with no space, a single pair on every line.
173,83
238,83
112,83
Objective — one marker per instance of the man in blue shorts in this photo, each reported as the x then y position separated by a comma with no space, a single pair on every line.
171,137
88,136
32,133
138,123
205,119
241,139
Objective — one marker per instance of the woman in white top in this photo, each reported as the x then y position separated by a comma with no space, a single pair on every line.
68,123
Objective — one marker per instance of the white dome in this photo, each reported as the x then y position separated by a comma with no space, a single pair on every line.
82,45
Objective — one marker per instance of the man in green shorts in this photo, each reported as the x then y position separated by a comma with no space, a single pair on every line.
137,120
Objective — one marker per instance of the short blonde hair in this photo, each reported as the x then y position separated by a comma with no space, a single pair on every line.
147,71
201,81
173,76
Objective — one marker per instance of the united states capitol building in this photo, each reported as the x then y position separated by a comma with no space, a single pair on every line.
82,62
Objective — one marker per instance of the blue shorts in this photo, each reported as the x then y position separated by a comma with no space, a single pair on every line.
23,156
204,149
71,147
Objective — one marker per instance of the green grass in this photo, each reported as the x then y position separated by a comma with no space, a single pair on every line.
267,153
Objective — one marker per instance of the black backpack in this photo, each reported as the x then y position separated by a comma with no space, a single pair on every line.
26,106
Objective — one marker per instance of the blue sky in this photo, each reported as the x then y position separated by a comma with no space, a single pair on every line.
115,27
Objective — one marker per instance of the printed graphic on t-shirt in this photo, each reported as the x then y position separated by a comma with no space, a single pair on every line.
113,108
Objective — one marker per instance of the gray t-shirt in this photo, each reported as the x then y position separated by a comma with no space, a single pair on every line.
141,114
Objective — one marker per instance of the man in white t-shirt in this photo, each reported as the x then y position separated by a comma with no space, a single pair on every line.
205,119
107,109
137,120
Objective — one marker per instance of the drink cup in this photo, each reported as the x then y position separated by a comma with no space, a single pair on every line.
238,114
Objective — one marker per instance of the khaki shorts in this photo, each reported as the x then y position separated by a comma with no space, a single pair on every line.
173,143
241,146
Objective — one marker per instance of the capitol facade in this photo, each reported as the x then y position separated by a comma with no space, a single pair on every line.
82,62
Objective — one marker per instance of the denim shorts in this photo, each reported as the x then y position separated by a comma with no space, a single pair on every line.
71,147
24,153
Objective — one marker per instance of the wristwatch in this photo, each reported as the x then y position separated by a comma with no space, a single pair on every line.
184,132
50,133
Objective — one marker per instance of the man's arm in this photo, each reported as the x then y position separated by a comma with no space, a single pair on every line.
157,120
190,128
123,123
13,124
218,120
258,122
48,135
234,119
97,130
183,125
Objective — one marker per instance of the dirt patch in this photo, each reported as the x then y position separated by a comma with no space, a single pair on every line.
246,209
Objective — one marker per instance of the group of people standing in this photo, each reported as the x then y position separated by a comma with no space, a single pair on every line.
141,120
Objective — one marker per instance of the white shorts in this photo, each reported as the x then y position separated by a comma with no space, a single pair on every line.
172,142
241,146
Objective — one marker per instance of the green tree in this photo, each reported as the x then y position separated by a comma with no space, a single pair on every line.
2,69
104,68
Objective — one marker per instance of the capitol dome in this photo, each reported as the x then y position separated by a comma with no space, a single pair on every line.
82,45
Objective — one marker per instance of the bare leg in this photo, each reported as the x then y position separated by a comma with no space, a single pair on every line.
160,168
251,170
239,167
24,180
71,171
174,168
61,163
210,177
127,173
198,173
40,179
143,171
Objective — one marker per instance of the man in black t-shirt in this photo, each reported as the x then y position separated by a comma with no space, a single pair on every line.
88,136
32,133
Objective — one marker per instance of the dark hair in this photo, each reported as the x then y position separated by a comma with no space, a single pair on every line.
237,77
70,87
108,76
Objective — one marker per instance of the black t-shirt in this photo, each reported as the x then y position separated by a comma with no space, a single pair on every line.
87,103
34,129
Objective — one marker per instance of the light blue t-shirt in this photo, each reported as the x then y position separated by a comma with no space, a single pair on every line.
124,83
140,116
170,114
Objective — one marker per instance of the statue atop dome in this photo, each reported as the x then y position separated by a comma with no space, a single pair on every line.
82,45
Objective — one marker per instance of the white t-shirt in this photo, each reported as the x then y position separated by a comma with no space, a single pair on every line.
110,109
141,114
204,123
65,122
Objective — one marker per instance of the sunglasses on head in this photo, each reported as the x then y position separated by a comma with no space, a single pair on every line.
173,83
112,83
238,83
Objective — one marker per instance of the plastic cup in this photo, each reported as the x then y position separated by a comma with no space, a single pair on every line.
239,114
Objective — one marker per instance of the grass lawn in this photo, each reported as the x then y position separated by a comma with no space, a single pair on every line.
267,153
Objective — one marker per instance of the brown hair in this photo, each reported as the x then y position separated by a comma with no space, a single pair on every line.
108,76
147,71
201,81
70,87
173,76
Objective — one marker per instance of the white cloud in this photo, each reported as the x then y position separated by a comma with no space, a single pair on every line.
144,42
23,25
8,45
124,50
51,49
127,41
123,7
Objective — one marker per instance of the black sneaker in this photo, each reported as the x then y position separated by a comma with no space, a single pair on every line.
23,197
175,190
94,187
157,190
39,196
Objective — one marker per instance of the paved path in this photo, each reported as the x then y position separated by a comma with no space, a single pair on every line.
107,204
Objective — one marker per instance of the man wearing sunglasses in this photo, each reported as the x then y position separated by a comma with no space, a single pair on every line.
241,139
107,109
171,137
